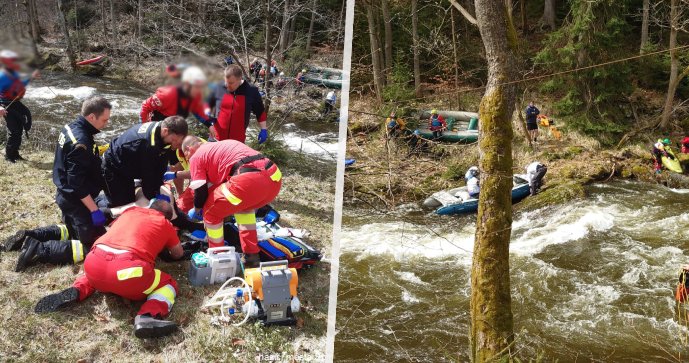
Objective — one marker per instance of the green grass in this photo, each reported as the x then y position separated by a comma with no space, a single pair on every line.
101,328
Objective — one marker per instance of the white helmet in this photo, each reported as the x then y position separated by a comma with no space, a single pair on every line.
8,54
193,75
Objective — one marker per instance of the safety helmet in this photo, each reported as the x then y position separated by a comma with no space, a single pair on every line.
193,75
666,141
472,173
9,59
434,112
282,74
303,70
172,70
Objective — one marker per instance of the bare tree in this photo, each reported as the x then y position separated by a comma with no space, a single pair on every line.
375,49
284,31
674,65
34,29
387,20
65,34
309,35
524,18
491,310
140,19
454,53
415,47
644,26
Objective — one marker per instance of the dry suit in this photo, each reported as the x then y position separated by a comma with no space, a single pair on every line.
12,89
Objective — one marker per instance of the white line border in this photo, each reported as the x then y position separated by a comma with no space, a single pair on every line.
339,186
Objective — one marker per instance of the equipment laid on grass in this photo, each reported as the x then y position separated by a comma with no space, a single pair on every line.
216,265
267,293
274,286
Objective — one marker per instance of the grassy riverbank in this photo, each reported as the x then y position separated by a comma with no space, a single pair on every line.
100,329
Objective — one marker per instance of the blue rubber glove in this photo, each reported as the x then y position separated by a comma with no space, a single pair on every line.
162,197
98,218
194,216
262,136
169,175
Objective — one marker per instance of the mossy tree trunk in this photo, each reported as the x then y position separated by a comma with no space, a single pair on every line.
387,26
644,25
491,311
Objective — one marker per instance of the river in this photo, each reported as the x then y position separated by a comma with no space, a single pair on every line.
55,99
591,280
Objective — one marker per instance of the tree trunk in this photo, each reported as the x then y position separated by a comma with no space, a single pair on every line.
674,65
522,13
415,47
292,29
388,39
34,32
103,19
113,26
375,50
140,19
65,34
269,56
491,310
549,14
284,31
644,26
314,5
456,56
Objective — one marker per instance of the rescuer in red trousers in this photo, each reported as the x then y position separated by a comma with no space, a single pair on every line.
230,178
232,103
122,262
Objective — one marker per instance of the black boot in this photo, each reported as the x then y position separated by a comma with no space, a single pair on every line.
55,252
184,222
57,301
14,243
146,326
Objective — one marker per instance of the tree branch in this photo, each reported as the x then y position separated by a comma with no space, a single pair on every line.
464,12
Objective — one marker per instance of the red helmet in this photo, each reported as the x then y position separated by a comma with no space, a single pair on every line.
685,140
173,71
9,59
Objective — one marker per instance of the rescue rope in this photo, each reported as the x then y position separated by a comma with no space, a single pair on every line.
574,70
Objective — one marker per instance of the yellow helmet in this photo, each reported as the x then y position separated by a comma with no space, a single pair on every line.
434,112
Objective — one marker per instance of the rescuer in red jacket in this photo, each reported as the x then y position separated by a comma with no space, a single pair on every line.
232,103
122,262
180,100
230,178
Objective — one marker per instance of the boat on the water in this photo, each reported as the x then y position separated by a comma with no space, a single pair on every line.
462,126
447,202
325,77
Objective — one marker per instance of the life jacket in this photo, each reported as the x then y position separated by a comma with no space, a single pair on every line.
435,122
685,145
16,90
181,111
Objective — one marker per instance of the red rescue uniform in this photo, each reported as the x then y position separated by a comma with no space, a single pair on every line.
122,261
242,180
233,110
172,101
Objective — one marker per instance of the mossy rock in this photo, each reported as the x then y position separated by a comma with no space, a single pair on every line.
554,195
92,70
364,126
55,68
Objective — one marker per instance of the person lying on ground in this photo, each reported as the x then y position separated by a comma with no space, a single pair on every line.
78,178
122,262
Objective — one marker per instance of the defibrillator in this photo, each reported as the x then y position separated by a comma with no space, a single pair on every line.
214,266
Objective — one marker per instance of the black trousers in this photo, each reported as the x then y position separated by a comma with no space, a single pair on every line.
119,189
77,218
18,119
537,180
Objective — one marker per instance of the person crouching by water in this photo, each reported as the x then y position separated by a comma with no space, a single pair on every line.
473,187
535,173
658,152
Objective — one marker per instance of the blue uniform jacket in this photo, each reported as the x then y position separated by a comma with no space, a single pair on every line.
77,165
